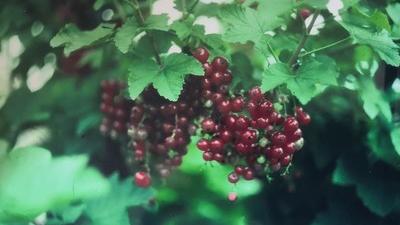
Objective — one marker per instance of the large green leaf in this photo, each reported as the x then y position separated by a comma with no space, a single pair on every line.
243,24
32,183
308,81
124,36
395,136
168,78
112,208
72,39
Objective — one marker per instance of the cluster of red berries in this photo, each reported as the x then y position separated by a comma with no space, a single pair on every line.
114,107
249,134
158,130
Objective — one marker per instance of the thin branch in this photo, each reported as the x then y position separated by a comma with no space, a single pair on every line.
303,41
140,16
326,47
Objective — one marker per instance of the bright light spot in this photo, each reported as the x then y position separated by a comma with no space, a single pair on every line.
174,49
319,24
38,77
15,47
211,24
334,6
396,85
107,14
37,28
34,136
166,7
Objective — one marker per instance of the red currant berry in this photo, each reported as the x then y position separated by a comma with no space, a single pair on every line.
208,156
208,125
290,125
248,175
239,170
275,152
225,136
237,104
305,13
256,94
224,107
219,64
203,145
232,197
241,123
207,70
296,135
289,148
217,78
142,179
278,139
248,137
285,161
201,54
227,77
233,178
216,145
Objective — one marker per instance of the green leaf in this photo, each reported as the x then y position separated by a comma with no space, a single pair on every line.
52,183
157,22
141,74
171,77
376,35
393,11
112,208
72,39
381,144
243,24
167,79
395,136
378,193
373,99
124,36
310,80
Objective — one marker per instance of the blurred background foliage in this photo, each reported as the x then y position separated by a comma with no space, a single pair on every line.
347,174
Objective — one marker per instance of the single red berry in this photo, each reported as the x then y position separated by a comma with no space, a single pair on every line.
201,54
224,107
225,136
305,13
303,118
261,123
216,145
252,108
248,137
248,174
218,157
241,123
208,156
256,94
206,84
278,139
233,177
242,148
217,98
217,78
208,125
275,152
237,104
230,122
219,64
239,170
289,148
285,161
296,135
142,179
290,125
265,108
203,145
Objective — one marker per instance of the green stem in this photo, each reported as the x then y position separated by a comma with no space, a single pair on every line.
272,52
326,47
303,41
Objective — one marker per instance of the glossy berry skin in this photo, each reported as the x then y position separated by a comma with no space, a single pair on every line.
217,78
208,156
203,145
285,161
208,125
289,148
219,64
248,137
275,152
278,139
248,175
216,145
201,54
224,107
142,179
290,125
303,117
241,123
255,94
233,178
239,170
226,136
237,104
